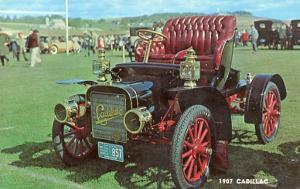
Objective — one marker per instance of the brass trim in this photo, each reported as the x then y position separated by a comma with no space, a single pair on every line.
136,95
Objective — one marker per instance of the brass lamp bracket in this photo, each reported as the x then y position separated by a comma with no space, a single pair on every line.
102,66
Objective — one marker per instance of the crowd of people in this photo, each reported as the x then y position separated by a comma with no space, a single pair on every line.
242,38
87,43
18,45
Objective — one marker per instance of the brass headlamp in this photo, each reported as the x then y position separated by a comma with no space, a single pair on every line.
102,66
190,69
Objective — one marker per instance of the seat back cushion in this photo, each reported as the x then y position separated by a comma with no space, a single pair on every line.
199,32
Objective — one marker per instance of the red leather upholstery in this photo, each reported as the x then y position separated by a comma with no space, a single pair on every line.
206,34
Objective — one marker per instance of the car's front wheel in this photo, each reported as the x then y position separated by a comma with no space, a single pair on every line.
53,49
192,148
72,141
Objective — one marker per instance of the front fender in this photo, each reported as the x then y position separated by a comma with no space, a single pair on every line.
76,81
254,102
215,102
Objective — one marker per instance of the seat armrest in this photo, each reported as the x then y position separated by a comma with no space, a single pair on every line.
219,51
156,48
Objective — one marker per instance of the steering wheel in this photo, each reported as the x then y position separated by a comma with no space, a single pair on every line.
149,36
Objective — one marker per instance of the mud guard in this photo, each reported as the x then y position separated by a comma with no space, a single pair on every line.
76,81
215,102
254,102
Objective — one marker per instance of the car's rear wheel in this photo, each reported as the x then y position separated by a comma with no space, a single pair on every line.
53,49
267,130
192,147
72,141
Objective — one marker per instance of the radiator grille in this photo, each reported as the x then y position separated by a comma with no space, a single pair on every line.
108,110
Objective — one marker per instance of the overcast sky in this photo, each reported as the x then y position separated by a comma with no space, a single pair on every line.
278,9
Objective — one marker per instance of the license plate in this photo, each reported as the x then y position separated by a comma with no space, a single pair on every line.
110,151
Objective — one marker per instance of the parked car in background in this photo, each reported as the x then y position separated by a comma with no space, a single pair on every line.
268,34
44,44
59,45
295,32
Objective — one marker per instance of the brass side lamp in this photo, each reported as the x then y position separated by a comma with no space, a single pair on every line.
102,66
190,69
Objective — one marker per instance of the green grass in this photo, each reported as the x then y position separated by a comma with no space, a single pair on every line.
27,159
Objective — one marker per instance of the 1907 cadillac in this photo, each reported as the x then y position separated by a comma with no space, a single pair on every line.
181,90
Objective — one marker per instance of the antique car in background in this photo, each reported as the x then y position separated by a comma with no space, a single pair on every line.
295,32
44,44
181,91
268,34
59,45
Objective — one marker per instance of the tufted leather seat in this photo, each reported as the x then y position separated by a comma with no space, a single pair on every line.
206,34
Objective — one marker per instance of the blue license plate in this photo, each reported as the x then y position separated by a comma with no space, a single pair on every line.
110,151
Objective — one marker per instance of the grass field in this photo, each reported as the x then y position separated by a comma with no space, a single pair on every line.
27,159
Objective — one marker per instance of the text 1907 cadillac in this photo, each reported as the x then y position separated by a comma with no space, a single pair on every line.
182,84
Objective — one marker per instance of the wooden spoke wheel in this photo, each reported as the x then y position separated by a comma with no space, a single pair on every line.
53,49
192,148
72,141
267,130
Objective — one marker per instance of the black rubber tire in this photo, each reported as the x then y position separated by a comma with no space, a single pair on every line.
259,128
178,139
62,152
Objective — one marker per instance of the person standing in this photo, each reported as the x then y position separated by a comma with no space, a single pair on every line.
237,38
282,36
87,44
21,42
4,41
35,49
254,37
94,39
75,40
101,42
15,49
289,35
129,47
112,42
244,38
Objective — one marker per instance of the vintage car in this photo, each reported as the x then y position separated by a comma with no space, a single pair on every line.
60,46
44,44
295,32
268,34
181,91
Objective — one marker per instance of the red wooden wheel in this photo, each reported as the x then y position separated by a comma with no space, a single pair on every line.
271,113
76,140
196,150
192,147
72,141
267,130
